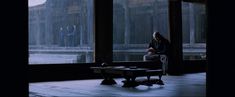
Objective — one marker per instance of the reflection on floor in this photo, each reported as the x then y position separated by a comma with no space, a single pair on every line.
175,86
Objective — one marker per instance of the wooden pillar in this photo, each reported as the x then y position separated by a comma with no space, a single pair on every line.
175,56
81,35
156,16
81,25
127,22
103,31
192,24
49,23
90,21
38,32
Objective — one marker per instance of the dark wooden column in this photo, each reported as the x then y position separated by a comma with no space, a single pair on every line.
103,31
220,59
175,18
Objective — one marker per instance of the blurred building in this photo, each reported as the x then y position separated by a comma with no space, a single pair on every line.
134,21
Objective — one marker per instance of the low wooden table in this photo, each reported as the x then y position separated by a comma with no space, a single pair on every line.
129,74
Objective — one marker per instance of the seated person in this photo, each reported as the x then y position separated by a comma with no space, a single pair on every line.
158,50
158,46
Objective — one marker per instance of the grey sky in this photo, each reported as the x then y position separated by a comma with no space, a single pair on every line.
35,2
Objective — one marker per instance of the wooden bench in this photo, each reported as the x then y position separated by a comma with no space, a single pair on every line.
129,74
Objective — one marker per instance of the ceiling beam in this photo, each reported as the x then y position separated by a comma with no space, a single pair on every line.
195,1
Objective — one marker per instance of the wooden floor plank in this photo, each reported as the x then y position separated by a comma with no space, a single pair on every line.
175,86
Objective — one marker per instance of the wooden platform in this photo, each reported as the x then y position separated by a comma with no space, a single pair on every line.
130,74
175,86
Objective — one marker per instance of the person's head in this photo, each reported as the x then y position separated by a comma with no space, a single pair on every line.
156,36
